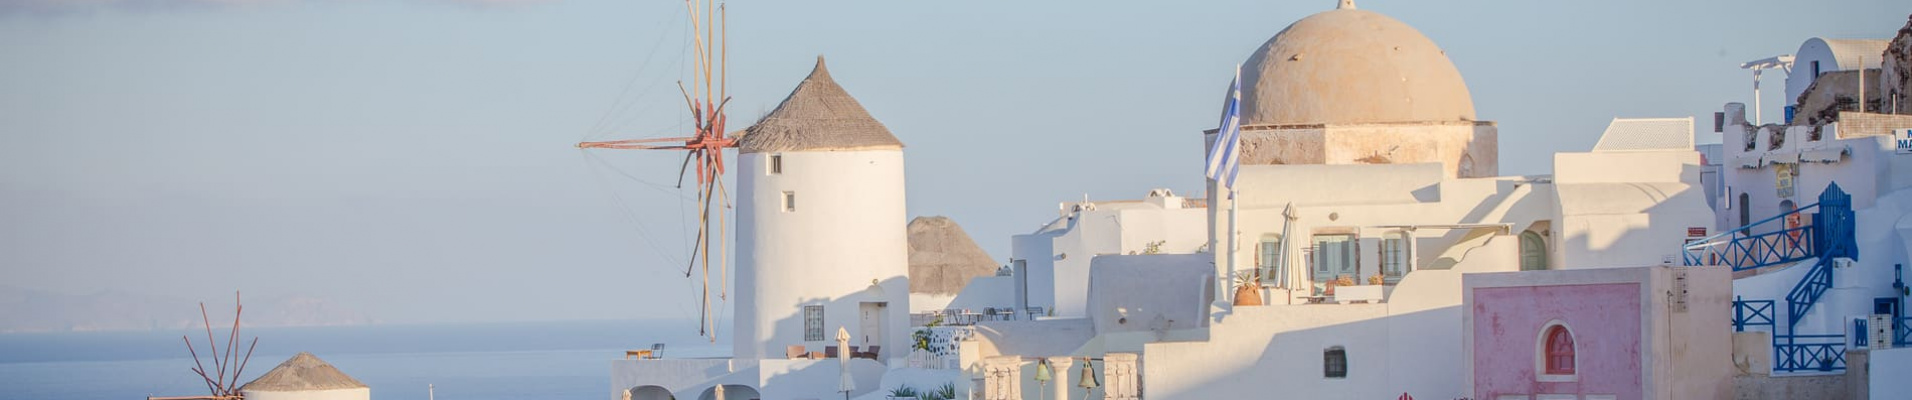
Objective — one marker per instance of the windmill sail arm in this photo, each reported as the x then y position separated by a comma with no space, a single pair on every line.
610,143
633,147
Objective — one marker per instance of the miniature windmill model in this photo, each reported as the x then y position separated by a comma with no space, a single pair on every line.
706,98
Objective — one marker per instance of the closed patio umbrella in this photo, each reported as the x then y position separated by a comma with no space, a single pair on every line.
848,383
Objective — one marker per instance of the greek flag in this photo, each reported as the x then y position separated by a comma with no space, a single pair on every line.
1224,159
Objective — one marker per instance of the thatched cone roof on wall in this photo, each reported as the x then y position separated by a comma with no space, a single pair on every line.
943,258
817,116
303,372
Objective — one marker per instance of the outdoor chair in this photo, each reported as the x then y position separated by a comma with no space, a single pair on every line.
794,352
872,354
829,352
657,351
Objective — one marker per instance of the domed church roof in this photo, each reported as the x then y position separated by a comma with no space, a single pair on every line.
817,116
1350,66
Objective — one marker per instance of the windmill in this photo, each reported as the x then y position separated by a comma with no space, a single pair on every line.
706,98
228,365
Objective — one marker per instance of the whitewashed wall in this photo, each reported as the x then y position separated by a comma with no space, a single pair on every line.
1392,348
1887,367
334,394
844,244
1626,208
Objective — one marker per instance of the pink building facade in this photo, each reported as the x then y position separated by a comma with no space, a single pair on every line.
1599,334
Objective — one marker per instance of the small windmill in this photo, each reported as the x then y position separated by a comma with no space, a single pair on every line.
706,98
228,365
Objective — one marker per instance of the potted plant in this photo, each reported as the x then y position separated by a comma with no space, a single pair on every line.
903,393
1248,289
945,392
1825,363
1374,279
1339,281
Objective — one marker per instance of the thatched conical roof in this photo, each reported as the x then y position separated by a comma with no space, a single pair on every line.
942,257
303,372
818,115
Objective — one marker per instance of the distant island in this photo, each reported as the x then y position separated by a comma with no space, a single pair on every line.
28,310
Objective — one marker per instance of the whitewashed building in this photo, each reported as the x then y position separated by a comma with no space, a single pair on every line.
1368,249
1333,269
1814,216
1053,261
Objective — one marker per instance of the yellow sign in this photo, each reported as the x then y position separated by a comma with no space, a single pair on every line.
1784,175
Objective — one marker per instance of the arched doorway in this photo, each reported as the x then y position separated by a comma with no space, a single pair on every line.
731,392
1533,251
649,392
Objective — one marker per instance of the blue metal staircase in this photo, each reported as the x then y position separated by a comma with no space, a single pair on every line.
1828,237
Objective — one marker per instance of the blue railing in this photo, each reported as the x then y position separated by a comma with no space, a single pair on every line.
1903,333
1807,292
1741,249
1794,353
1861,334
1752,313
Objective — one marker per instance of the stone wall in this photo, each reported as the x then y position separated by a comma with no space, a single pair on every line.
1851,385
1468,149
1833,94
1854,124
1896,79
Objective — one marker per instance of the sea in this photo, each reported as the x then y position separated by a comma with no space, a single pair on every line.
545,360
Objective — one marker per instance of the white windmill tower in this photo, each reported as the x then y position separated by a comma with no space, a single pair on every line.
821,234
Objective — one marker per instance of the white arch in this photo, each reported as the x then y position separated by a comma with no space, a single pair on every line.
731,392
648,392
1540,354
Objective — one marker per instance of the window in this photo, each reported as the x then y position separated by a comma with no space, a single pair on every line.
813,323
1394,255
789,201
1533,252
1334,363
1269,258
1557,361
1334,257
1815,68
776,164
1745,210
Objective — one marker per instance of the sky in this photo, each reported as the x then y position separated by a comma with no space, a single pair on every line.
415,160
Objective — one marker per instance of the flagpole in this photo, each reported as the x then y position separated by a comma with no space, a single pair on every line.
1234,240
1224,161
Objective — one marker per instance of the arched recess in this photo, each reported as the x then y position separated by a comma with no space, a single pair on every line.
649,392
1554,353
731,392
1533,251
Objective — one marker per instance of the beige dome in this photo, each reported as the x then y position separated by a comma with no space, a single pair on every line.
1349,66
